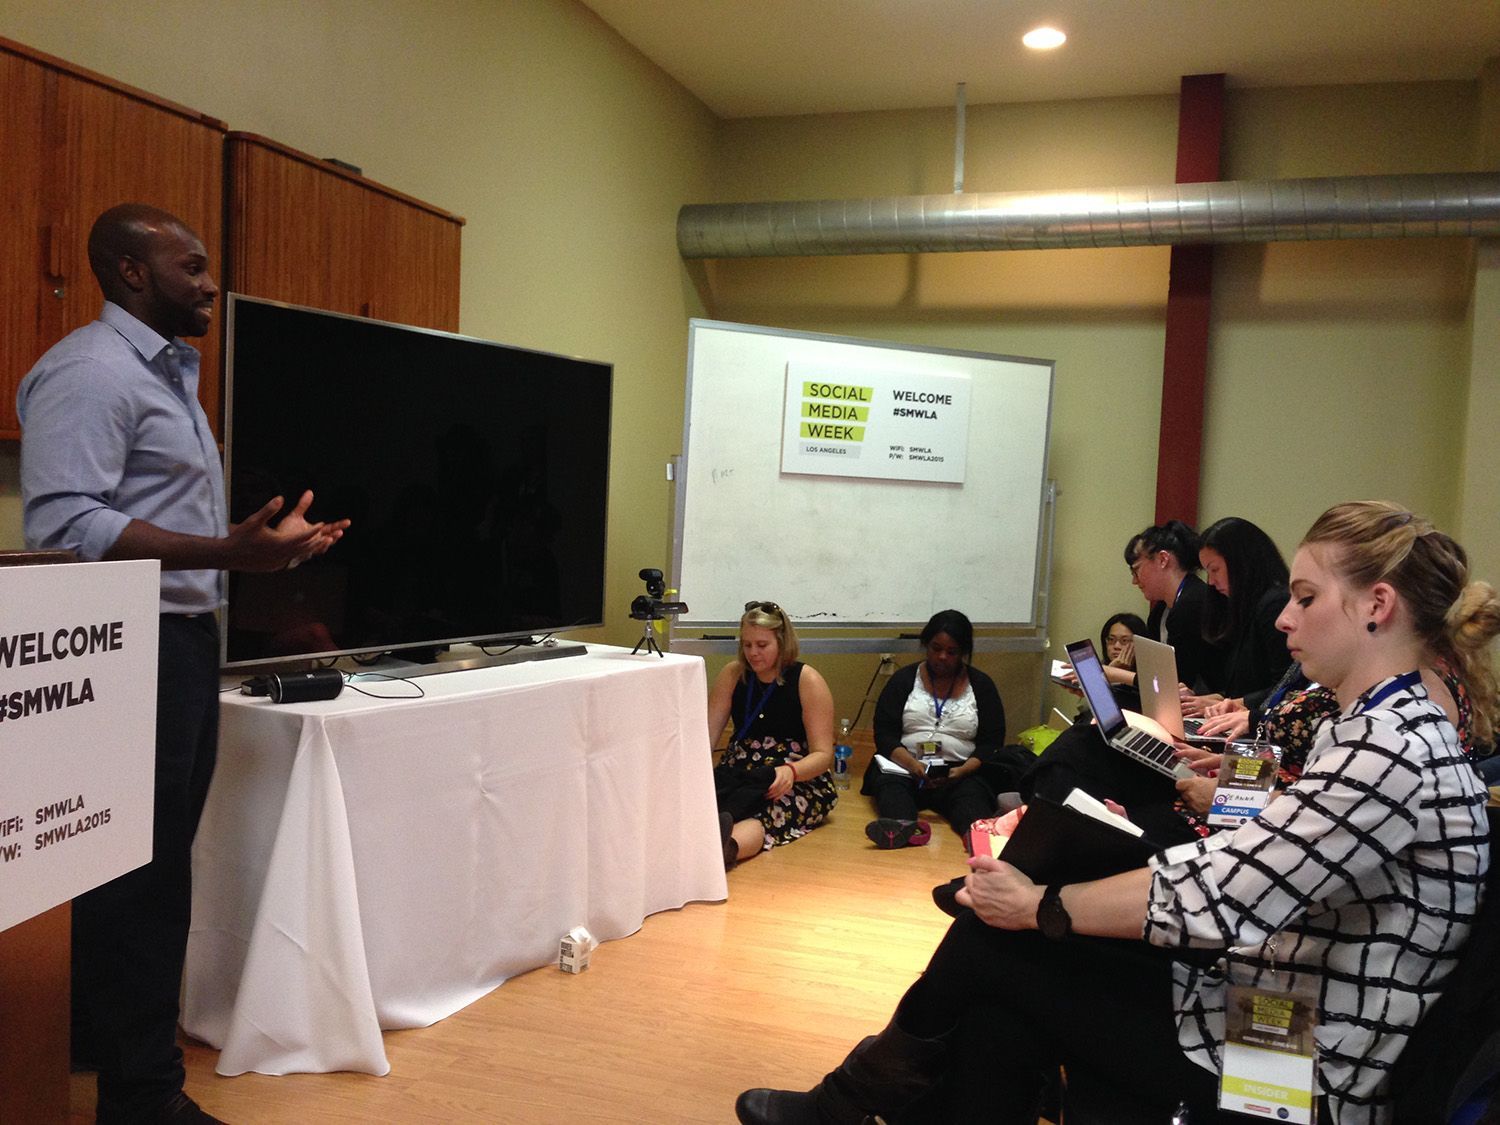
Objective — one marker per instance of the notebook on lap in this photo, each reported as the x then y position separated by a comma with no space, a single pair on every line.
1132,735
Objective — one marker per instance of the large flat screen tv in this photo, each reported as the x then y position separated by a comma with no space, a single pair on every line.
476,476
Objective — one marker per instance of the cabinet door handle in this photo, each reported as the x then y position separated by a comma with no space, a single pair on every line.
54,251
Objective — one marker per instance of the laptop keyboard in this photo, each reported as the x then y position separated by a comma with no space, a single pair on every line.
1148,750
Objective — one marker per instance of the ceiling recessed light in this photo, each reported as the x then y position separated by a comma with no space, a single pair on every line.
1044,38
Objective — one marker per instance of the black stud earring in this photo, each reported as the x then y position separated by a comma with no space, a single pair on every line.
1370,626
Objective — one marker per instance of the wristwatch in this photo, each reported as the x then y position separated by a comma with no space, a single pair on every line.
1051,916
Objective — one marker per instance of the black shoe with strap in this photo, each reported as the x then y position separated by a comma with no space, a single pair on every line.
887,832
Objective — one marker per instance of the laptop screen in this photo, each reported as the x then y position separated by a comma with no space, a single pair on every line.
1095,687
1156,676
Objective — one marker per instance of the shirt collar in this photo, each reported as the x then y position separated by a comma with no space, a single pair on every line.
137,333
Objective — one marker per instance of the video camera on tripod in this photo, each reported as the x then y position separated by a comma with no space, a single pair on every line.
650,607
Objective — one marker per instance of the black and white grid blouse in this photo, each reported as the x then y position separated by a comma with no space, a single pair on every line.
1366,873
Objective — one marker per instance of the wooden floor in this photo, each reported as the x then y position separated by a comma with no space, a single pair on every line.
815,945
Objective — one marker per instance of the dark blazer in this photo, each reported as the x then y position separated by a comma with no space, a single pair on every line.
1257,659
892,702
1198,662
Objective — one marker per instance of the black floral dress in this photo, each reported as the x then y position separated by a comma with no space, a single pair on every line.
774,735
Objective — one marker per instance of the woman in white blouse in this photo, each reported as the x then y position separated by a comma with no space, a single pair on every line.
940,711
1358,883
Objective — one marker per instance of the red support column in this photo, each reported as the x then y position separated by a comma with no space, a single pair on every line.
1179,450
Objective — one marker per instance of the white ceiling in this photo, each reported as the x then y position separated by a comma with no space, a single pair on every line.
757,58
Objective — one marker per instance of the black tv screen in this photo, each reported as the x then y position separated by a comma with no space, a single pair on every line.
475,474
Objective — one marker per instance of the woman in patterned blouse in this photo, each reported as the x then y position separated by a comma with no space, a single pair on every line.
1359,881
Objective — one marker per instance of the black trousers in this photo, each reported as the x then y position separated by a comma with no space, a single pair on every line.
130,935
962,802
1079,757
1015,1006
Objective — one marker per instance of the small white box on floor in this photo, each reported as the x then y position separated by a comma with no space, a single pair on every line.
576,948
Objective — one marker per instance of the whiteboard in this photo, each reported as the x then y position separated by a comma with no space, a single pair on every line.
846,551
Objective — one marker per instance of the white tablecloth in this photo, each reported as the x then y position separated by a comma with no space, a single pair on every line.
364,864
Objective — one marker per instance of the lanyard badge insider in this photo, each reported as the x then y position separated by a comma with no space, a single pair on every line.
1269,1047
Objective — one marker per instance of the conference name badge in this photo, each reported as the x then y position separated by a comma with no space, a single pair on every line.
1269,1052
1243,786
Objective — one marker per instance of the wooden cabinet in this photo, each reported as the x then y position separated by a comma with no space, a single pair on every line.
73,143
304,231
300,230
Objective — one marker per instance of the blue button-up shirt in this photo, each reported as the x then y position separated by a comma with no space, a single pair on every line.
111,432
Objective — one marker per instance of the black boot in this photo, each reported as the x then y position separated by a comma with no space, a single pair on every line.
727,841
883,1075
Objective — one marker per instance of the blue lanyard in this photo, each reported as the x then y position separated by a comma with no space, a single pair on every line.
753,705
1403,682
1166,610
939,704
1292,678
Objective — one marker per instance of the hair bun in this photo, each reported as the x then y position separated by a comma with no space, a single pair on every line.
1473,619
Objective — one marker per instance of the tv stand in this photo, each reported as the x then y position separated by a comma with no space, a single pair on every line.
393,665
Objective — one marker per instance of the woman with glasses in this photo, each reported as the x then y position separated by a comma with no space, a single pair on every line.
1117,654
1163,563
952,709
1342,906
773,781
1117,640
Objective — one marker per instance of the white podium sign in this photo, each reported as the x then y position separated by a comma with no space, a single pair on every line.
77,728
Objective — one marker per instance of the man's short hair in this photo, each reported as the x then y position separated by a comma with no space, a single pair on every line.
125,231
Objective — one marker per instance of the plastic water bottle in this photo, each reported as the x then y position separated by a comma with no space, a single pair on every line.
842,752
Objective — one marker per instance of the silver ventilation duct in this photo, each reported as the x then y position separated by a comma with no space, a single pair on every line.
1463,204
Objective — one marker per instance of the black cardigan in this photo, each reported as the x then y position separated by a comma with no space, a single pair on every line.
892,703
1198,661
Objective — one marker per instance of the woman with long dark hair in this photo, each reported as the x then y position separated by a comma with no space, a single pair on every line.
1356,887
1245,568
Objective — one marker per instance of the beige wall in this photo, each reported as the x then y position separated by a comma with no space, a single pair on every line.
1337,370
569,155
1479,506
567,152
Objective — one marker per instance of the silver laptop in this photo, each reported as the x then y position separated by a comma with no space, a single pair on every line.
1156,677
1131,740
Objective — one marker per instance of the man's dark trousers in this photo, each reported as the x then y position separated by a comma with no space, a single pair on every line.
130,935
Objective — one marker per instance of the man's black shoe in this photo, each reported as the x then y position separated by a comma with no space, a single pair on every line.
182,1110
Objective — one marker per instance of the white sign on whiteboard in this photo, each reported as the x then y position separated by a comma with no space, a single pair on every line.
849,421
843,549
78,649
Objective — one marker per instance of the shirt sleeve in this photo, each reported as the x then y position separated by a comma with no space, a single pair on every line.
1353,809
77,430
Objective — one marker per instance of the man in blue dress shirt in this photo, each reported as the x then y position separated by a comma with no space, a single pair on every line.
118,462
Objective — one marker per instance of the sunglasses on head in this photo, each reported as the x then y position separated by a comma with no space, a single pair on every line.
768,607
